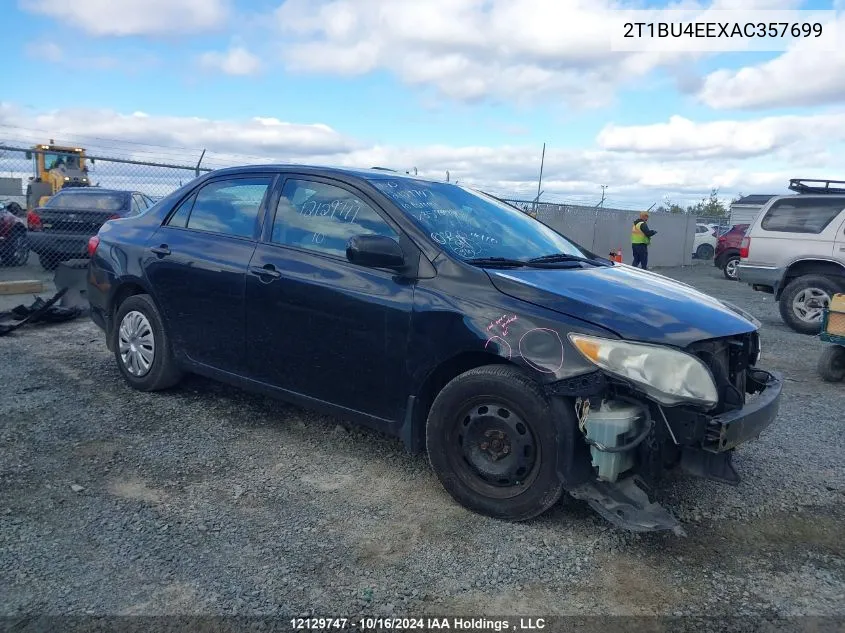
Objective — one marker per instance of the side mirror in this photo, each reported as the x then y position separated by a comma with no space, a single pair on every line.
374,251
29,155
93,162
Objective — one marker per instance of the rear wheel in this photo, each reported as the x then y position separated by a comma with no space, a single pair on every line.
804,300
142,347
49,261
491,441
731,268
705,251
832,364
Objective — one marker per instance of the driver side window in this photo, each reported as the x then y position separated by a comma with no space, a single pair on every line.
322,217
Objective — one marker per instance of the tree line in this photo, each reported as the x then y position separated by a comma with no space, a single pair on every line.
709,206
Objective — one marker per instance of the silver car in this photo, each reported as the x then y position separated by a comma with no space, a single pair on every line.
795,249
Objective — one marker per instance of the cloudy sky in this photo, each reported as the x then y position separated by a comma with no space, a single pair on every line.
474,87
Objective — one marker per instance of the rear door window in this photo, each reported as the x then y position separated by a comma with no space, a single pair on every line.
228,207
802,215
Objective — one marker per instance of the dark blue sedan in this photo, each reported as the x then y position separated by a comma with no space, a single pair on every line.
523,364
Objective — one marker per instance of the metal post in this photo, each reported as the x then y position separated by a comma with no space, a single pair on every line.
197,171
540,181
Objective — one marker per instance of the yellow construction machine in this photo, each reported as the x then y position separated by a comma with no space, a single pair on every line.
56,167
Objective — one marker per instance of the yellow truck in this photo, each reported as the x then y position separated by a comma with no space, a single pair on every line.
55,167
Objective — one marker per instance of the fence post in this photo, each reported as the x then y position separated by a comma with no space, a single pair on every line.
197,171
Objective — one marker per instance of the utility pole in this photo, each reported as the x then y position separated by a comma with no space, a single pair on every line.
603,189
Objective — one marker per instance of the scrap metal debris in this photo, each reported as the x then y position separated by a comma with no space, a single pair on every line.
39,311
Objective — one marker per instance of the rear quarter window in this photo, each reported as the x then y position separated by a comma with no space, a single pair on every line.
796,215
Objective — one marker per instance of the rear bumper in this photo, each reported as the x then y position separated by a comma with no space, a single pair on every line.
769,276
63,243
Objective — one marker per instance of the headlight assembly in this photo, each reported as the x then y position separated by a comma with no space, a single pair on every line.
669,376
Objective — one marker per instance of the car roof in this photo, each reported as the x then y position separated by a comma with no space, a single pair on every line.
81,191
372,173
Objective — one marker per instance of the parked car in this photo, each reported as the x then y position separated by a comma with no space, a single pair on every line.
795,249
523,363
705,241
727,250
59,230
14,245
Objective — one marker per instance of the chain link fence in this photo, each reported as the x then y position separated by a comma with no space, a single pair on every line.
39,229
54,198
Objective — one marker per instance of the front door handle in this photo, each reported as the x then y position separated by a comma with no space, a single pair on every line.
268,270
161,251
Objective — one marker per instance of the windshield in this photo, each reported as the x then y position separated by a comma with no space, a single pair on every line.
88,200
68,161
471,224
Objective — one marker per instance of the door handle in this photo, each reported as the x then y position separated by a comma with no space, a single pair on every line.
268,270
161,251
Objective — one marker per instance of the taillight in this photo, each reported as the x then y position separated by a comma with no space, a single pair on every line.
93,243
33,221
744,246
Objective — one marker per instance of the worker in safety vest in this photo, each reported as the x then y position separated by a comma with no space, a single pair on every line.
640,239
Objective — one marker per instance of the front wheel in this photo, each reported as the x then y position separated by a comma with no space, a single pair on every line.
804,300
17,251
832,364
492,443
142,347
731,268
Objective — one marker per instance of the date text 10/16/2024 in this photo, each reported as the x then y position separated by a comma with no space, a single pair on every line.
466,625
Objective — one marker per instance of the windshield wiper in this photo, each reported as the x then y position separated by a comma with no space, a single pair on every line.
564,257
496,261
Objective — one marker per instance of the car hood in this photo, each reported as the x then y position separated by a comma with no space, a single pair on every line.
638,305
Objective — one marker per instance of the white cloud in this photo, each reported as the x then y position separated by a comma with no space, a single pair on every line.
641,164
135,17
235,61
468,49
809,73
512,50
683,139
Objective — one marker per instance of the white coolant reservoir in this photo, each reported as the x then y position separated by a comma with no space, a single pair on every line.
612,425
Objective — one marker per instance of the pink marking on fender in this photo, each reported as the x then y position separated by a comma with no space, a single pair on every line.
533,363
510,352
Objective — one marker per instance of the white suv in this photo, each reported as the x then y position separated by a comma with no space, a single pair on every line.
795,249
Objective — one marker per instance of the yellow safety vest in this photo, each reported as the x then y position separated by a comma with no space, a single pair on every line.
637,235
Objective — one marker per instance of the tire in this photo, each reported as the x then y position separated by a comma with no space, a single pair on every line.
832,364
705,251
496,411
138,321
49,261
729,269
816,288
16,252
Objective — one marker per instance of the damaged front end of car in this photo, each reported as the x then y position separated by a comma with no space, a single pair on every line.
650,408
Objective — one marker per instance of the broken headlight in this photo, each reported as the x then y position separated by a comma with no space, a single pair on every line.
669,376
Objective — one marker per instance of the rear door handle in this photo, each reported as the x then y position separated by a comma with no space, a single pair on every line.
161,251
268,270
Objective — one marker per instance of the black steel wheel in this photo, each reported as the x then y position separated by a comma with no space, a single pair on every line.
832,364
492,443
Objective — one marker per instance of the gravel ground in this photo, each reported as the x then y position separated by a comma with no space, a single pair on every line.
210,500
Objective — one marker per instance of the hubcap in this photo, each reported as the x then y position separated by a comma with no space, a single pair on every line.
136,343
731,267
496,445
809,304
